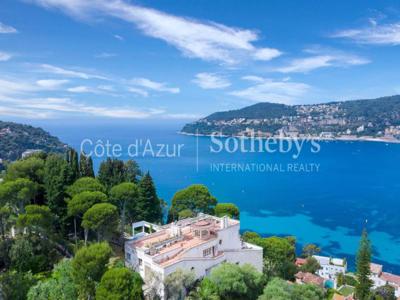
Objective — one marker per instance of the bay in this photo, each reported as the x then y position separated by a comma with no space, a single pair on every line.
325,198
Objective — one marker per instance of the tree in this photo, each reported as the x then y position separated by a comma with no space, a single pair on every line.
72,160
101,218
81,202
88,266
311,266
384,292
112,172
32,253
227,209
5,219
17,193
186,213
279,255
149,205
31,168
196,197
85,184
207,290
37,218
278,289
59,286
310,250
125,197
307,291
120,284
57,176
132,171
178,284
248,236
15,285
235,282
363,262
85,165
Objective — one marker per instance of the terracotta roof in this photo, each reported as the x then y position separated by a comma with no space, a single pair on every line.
309,278
375,268
300,261
338,297
391,278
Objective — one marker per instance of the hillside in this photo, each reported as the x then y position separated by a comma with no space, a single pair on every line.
17,138
378,117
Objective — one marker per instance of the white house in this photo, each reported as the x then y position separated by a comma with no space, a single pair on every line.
331,267
380,278
197,244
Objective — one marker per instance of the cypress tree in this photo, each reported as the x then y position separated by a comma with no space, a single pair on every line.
149,204
363,267
111,172
72,160
85,165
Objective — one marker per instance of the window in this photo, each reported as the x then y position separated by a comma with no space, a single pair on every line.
140,262
207,252
220,242
128,256
197,232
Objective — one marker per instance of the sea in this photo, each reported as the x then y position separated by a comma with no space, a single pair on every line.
320,192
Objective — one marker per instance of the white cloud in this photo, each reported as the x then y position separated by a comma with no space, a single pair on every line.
7,29
105,55
375,34
68,73
273,91
211,81
138,91
118,37
205,40
51,83
153,85
253,78
4,56
53,107
322,58
182,116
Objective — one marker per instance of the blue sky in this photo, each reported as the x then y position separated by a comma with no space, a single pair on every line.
186,59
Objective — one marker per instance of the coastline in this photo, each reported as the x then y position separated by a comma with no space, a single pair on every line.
341,139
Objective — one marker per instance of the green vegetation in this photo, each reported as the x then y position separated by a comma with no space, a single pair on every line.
17,138
227,209
50,205
120,283
361,117
197,198
231,281
278,289
364,284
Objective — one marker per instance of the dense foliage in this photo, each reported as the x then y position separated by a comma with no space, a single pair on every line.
17,138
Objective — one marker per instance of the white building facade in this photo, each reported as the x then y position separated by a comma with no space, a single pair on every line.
331,267
195,244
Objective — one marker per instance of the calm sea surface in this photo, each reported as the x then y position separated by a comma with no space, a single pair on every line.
324,198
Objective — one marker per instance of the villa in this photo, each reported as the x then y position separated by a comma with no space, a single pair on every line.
331,267
196,244
380,278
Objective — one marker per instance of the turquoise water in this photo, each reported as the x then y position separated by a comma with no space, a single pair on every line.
357,184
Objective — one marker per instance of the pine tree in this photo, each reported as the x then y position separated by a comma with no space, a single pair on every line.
363,268
85,165
72,160
57,176
149,204
111,172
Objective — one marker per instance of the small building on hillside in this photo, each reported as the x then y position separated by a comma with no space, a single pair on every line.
196,244
331,267
380,278
309,278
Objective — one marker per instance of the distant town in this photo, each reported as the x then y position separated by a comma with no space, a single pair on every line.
375,119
